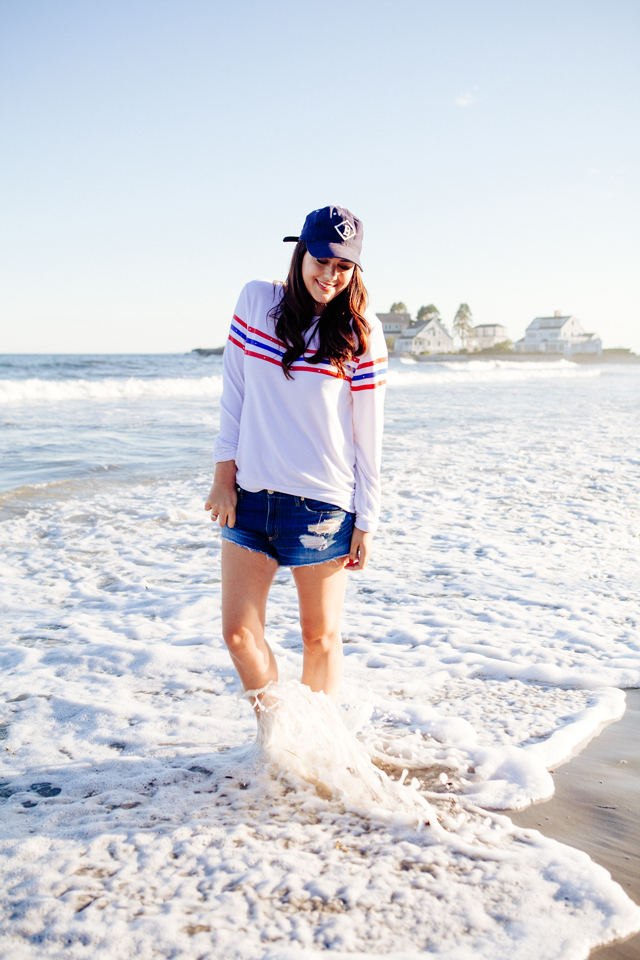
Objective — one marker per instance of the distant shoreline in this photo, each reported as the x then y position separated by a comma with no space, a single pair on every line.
606,357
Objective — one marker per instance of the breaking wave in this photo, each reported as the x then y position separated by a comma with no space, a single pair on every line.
402,373
12,391
408,372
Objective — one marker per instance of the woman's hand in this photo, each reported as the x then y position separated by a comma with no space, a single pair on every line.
361,543
222,497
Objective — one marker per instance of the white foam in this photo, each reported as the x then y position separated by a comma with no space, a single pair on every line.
483,645
482,371
421,374
302,733
293,839
19,391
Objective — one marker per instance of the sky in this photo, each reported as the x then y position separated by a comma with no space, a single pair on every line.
154,153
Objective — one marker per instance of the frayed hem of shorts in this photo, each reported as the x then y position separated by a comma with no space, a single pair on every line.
252,550
318,563
291,566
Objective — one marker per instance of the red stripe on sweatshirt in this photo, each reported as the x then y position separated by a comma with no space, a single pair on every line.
309,369
372,363
369,386
327,373
279,343
261,356
266,336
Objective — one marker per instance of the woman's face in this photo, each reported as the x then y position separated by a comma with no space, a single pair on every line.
325,278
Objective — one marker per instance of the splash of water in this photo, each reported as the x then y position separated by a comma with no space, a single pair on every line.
301,736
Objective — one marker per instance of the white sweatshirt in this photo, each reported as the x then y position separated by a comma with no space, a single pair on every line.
318,435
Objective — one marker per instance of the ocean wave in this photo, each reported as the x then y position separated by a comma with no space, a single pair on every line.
403,373
12,391
415,373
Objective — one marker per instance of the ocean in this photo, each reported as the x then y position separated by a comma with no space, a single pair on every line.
492,635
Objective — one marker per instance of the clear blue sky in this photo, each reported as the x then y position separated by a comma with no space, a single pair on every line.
154,153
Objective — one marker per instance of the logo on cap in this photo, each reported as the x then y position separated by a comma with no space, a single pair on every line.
345,229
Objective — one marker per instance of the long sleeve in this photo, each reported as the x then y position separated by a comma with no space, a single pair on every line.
226,445
367,390
316,435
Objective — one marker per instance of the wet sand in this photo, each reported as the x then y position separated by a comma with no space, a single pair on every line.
596,807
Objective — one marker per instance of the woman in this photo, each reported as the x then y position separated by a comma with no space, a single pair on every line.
297,479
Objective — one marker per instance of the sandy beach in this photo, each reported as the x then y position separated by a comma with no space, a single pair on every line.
596,808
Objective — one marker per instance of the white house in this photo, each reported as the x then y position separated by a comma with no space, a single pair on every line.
558,334
394,323
469,342
426,336
488,334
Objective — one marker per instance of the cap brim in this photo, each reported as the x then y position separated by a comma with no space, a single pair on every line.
341,251
290,239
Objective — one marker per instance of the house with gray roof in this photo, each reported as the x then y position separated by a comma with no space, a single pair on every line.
394,323
558,334
426,336
488,334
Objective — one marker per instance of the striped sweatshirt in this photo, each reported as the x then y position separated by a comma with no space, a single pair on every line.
318,435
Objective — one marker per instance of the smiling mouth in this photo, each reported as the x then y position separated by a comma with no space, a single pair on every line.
325,286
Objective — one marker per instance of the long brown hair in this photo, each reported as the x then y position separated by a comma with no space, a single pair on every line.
343,329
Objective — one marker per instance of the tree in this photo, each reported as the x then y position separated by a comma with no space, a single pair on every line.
505,346
462,322
398,307
426,313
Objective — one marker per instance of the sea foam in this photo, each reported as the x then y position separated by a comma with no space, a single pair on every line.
487,640
17,391
418,374
409,372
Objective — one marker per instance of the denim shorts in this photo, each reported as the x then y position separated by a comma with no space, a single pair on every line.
295,531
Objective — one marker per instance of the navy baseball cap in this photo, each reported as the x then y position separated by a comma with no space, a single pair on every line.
332,232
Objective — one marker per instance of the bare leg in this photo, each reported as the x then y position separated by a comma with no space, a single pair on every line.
246,579
321,595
